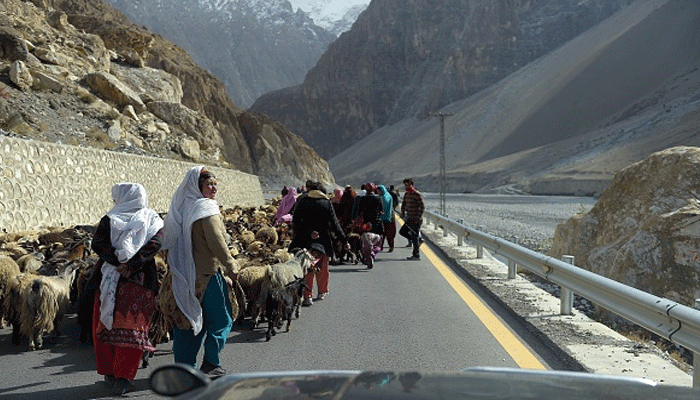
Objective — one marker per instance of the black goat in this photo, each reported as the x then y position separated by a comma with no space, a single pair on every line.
278,305
281,303
341,255
355,253
296,290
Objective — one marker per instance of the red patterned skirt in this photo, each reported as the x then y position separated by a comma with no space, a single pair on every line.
133,311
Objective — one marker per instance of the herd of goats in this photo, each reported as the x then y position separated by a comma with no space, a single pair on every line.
43,272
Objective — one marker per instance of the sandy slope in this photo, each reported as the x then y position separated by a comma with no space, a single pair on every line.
563,124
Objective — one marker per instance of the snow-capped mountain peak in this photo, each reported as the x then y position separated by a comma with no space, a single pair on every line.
336,16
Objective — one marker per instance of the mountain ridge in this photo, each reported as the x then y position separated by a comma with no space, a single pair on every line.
253,47
406,62
333,15
583,76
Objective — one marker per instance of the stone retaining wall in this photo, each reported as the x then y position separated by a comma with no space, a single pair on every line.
46,184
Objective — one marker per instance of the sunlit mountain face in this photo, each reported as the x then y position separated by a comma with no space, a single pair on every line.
336,16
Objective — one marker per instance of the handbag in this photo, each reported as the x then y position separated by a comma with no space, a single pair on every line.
405,231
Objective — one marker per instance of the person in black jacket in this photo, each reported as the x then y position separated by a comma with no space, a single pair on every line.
314,219
370,208
394,196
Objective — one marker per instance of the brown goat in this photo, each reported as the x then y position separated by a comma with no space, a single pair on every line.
255,280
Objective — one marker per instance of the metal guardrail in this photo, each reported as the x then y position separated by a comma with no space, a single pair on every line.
673,321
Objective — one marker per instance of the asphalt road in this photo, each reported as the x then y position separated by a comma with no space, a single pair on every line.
402,315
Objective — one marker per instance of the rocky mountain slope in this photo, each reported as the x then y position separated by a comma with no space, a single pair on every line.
406,61
563,124
253,46
643,231
81,73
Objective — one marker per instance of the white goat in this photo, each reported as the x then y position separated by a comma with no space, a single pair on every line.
13,301
257,281
44,301
286,272
293,270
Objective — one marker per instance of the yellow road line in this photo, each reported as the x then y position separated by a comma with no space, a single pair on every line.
514,347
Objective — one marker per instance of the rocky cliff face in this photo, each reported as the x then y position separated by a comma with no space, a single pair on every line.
644,231
254,47
81,73
407,61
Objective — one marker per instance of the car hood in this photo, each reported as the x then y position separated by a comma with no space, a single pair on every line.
475,383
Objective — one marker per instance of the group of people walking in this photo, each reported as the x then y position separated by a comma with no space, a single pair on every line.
320,221
130,235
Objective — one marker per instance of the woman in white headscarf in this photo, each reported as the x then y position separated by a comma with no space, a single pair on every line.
198,256
126,240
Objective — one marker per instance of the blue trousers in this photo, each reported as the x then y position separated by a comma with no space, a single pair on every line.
216,310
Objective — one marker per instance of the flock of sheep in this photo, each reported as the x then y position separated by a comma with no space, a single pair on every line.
43,272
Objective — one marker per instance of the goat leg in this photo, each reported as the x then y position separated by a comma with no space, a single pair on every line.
256,319
270,331
15,333
35,340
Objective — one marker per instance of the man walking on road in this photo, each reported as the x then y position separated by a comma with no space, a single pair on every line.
412,208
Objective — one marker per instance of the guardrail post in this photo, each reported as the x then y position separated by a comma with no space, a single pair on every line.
480,248
512,269
566,297
459,236
696,358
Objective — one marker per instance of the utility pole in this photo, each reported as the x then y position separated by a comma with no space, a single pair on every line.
442,116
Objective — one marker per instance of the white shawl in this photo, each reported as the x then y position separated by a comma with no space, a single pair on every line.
187,206
132,225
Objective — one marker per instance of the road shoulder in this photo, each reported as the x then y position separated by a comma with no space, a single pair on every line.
597,348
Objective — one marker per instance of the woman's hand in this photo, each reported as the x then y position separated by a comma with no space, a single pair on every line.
124,270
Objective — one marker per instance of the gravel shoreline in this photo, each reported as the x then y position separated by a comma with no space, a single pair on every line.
529,221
